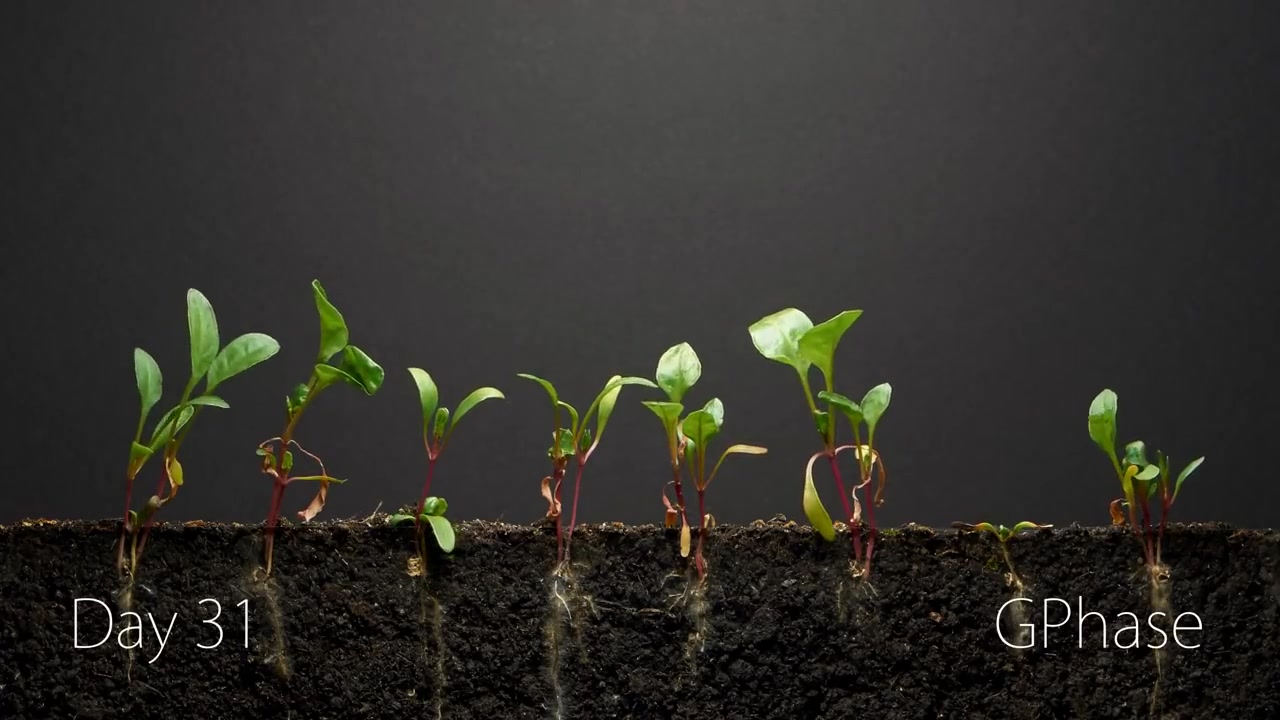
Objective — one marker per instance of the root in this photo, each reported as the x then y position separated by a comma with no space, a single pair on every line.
433,612
855,596
1160,590
124,600
266,588
698,608
568,606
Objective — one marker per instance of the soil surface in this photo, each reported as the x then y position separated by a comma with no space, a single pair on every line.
780,631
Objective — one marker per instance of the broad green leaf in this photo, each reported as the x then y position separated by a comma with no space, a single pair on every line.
327,375
873,405
239,355
678,370
699,426
475,398
777,337
818,344
1147,473
209,401
563,443
667,412
443,532
399,519
608,397
849,407
733,450
138,454
441,423
367,373
1186,473
551,389
166,428
428,395
203,327
147,373
434,506
813,508
715,409
333,328
1102,422
1135,453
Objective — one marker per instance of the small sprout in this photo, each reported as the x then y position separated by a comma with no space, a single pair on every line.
1004,534
1141,480
790,337
575,441
432,512
436,433
354,368
209,364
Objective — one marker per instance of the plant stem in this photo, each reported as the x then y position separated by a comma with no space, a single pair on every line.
417,516
557,479
702,534
277,494
675,480
1164,514
854,532
573,514
124,525
871,524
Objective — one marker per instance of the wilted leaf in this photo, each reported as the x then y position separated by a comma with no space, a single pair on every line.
813,508
1117,515
678,370
333,328
203,327
733,450
239,355
175,473
553,505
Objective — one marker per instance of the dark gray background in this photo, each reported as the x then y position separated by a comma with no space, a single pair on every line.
1029,203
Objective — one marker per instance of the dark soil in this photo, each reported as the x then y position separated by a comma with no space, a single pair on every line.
786,632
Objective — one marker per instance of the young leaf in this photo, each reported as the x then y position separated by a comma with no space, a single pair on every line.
818,344
813,508
822,421
443,532
475,398
777,337
563,444
367,373
239,355
551,389
434,506
667,412
209,401
166,428
1147,473
699,426
1102,422
1027,525
873,405
295,400
608,397
333,328
442,422
1135,453
203,327
849,407
138,454
733,450
678,370
573,415
428,395
715,409
147,373
175,472
1186,473
399,519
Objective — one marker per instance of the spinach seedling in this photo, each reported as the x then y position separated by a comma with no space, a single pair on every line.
678,370
208,363
356,369
790,337
1004,534
437,429
575,440
430,510
1140,480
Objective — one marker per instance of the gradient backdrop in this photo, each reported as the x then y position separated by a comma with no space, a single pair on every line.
1029,204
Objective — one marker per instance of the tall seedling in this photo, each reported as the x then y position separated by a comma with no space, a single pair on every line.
575,440
790,337
353,368
209,364
687,441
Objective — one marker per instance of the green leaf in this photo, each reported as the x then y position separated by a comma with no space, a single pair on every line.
700,426
715,409
1186,473
327,375
1102,422
849,407
333,328
551,389
399,519
813,508
564,443
209,401
434,506
777,337
287,465
733,450
203,327
573,415
1027,525
873,405
147,373
608,397
138,454
818,344
442,422
443,532
822,421
667,412
475,398
367,373
1147,473
428,395
297,398
678,370
166,428
1135,453
584,444
239,355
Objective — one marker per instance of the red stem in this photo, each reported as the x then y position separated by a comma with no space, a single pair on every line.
557,480
273,515
854,532
702,533
146,528
422,501
573,514
871,527
124,523
675,480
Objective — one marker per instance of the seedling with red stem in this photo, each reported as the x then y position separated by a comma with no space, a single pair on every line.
209,364
1140,480
678,370
1004,535
575,441
356,369
790,337
437,429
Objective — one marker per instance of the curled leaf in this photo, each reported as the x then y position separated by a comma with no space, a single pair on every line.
333,328
317,503
1117,514
553,505
813,508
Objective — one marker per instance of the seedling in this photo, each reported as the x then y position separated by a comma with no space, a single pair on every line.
678,370
209,364
791,338
356,369
430,510
1004,534
576,440
1140,480
437,429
